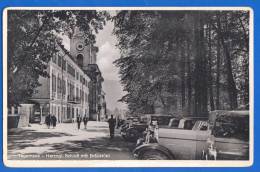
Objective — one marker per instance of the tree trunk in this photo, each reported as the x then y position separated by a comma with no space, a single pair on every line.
245,66
201,98
189,96
218,74
183,90
232,90
210,83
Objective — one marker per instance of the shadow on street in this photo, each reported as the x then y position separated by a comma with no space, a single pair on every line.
29,141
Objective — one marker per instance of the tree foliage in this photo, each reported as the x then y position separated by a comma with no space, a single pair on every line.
183,61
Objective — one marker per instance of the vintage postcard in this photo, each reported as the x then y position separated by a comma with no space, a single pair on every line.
128,87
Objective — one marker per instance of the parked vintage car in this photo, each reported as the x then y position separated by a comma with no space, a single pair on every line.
136,130
224,135
229,138
128,124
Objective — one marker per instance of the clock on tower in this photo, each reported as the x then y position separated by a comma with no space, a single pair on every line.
79,50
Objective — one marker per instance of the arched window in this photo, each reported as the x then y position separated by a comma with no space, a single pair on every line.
80,60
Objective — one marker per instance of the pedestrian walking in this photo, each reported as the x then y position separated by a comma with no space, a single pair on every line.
48,120
53,120
85,121
112,123
79,121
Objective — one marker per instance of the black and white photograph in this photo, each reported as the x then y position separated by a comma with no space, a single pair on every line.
128,84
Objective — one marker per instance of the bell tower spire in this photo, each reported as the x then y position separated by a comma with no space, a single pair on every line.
83,54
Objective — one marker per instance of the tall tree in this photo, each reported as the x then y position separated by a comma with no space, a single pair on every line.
210,82
171,59
201,98
232,90
218,75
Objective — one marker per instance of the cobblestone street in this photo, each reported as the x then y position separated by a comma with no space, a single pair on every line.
67,142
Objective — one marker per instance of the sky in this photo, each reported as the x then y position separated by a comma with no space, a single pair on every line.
107,54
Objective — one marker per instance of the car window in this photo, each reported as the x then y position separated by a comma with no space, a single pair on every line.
204,126
232,127
188,124
162,120
174,123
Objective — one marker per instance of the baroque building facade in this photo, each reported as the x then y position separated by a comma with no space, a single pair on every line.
74,87
65,93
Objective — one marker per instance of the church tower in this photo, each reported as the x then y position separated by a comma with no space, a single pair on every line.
86,56
82,53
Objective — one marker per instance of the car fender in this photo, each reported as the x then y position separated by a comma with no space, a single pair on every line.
152,146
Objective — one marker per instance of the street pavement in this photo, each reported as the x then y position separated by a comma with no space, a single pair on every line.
67,142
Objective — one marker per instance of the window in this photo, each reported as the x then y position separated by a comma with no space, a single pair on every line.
71,91
64,64
68,113
188,124
59,60
80,60
59,85
174,123
82,96
81,79
68,86
162,120
203,126
73,113
77,76
63,87
53,83
77,92
71,70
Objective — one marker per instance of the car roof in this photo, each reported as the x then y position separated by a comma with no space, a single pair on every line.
158,114
233,113
218,113
195,117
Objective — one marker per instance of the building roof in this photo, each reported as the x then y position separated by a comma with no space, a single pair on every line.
65,51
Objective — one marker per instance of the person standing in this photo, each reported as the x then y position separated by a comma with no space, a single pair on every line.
54,121
79,121
112,123
48,120
85,121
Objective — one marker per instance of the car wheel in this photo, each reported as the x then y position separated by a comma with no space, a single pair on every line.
154,155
